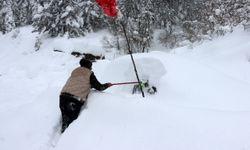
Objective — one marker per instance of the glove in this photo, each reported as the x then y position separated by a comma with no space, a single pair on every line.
105,86
108,84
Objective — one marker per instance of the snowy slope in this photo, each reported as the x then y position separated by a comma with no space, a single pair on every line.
203,99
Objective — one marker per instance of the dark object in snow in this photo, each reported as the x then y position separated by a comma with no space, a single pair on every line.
152,90
88,56
76,54
145,86
56,50
92,57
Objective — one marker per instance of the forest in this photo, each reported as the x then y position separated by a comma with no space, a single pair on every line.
180,21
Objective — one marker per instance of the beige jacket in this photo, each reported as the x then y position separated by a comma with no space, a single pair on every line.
78,83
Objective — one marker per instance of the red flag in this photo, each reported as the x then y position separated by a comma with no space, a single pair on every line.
108,6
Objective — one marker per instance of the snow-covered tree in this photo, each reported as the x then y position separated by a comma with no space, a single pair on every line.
72,17
165,16
181,20
59,18
6,16
92,16
195,20
23,11
138,19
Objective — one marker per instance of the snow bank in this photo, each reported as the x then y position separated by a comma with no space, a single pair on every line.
228,55
91,43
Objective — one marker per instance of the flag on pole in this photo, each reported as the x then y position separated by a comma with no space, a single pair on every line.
108,7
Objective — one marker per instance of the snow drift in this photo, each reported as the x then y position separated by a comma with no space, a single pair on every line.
202,101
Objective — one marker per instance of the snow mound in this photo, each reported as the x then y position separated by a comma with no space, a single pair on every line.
122,70
150,69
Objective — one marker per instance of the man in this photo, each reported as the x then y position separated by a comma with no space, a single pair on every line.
75,92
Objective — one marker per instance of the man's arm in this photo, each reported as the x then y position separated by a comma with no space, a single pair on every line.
96,84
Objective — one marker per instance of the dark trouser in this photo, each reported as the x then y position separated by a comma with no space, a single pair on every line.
70,109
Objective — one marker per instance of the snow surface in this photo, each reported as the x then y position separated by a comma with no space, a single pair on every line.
203,99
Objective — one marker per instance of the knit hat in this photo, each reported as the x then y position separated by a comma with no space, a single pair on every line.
86,63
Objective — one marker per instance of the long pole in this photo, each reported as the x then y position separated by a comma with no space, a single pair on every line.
132,58
121,83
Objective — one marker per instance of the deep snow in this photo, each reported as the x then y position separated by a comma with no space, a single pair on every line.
203,99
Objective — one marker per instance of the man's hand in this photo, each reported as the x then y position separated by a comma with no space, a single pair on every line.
109,84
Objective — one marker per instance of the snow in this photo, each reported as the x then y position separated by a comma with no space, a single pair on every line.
217,11
91,44
202,101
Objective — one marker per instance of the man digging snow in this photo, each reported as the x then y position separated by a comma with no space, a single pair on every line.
75,92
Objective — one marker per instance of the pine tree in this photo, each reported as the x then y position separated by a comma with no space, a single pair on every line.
165,16
6,16
23,11
138,19
59,18
92,16
145,25
196,25
72,17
